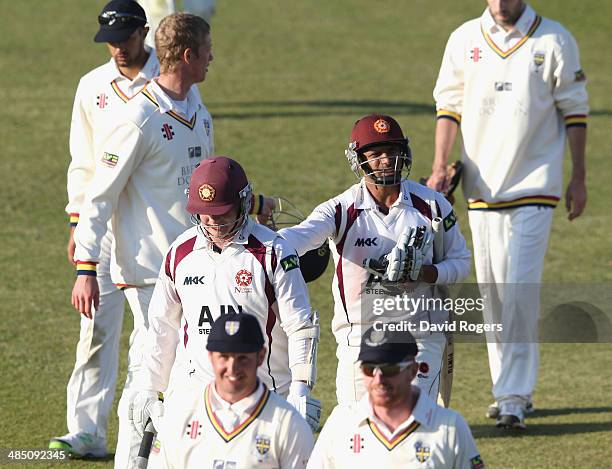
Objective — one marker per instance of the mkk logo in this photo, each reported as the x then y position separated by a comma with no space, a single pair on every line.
361,242
194,280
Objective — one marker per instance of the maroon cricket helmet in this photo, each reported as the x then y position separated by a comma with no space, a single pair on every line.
217,185
376,129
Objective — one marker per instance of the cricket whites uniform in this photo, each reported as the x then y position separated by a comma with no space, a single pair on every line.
513,94
100,99
353,437
202,430
143,169
358,230
256,273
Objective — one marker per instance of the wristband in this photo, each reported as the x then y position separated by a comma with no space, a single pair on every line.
86,268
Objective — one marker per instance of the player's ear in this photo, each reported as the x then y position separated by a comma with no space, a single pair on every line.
261,356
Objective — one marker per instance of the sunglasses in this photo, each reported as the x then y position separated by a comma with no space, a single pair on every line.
387,370
110,17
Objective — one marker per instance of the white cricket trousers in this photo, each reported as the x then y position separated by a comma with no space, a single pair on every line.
350,385
509,249
127,441
91,387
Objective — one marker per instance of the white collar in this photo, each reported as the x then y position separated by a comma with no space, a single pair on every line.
149,71
521,27
422,412
364,199
166,103
241,238
243,406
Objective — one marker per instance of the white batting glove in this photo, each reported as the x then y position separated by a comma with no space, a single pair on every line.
146,404
307,406
406,258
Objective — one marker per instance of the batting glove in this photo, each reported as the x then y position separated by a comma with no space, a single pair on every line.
307,406
146,404
405,260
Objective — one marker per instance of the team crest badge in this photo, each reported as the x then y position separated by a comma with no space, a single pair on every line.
381,126
207,127
538,58
206,192
262,444
244,278
376,338
232,327
422,452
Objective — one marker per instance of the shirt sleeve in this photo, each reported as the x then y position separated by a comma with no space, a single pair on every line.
165,313
466,453
312,232
322,455
457,258
298,443
82,165
570,93
120,154
448,92
292,299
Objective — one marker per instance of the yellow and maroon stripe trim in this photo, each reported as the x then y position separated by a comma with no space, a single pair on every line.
125,98
188,123
576,120
86,268
538,200
227,436
445,114
74,219
506,54
397,439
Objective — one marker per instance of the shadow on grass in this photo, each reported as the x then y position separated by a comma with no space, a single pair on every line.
540,429
324,108
331,108
108,457
568,411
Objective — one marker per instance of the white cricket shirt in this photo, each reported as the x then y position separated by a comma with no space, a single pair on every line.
513,94
143,169
99,101
270,434
358,230
257,273
432,437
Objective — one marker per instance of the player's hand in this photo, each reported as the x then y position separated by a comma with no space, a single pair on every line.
575,198
406,259
307,406
146,404
71,246
85,294
268,206
438,180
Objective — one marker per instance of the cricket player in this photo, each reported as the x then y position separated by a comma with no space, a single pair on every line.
227,263
366,222
235,421
512,81
143,168
100,99
394,424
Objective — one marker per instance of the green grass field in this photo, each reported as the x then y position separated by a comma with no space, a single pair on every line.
287,82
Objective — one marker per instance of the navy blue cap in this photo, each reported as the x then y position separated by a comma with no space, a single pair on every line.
387,347
235,333
119,19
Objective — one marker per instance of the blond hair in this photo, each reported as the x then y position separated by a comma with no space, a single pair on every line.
176,33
